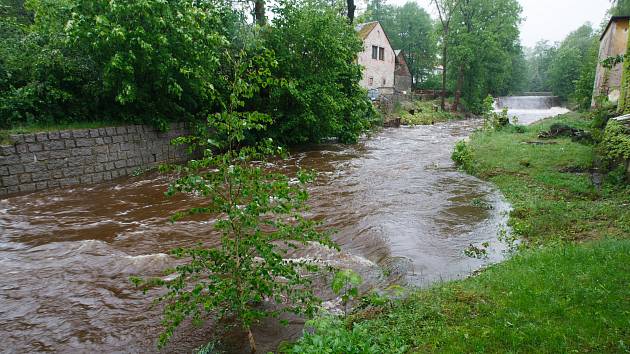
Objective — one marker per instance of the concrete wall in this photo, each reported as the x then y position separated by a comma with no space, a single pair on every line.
381,71
613,43
69,157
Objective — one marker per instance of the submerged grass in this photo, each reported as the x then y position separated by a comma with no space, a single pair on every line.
424,113
569,291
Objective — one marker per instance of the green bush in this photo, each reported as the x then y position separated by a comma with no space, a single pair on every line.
463,156
316,51
615,144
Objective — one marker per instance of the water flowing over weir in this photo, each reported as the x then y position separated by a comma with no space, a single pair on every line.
529,109
396,201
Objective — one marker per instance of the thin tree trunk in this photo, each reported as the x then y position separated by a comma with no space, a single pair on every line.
444,51
252,342
351,9
458,89
259,12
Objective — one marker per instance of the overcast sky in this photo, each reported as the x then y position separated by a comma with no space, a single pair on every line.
549,19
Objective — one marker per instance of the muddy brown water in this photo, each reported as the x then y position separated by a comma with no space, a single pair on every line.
395,199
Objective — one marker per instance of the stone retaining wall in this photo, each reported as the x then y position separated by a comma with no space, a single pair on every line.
63,158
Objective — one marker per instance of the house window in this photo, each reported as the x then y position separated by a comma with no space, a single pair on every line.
371,81
374,52
381,53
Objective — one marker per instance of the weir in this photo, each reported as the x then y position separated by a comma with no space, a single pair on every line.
528,102
531,108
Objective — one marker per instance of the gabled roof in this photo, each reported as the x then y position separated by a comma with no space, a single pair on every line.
613,19
397,52
364,29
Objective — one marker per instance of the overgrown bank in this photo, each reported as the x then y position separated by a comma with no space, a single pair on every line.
571,294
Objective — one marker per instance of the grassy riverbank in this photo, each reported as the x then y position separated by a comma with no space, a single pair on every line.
569,291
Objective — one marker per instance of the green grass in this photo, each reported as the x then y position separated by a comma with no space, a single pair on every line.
424,113
5,134
550,186
569,291
574,298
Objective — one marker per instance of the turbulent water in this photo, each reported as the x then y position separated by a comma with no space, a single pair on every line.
396,201
529,109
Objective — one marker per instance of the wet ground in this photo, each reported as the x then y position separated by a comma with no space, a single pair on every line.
396,201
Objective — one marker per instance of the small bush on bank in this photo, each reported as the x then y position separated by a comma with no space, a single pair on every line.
424,113
463,156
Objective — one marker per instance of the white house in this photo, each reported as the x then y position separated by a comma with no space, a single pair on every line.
377,58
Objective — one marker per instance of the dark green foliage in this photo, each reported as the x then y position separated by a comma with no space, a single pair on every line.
258,215
157,65
316,52
81,60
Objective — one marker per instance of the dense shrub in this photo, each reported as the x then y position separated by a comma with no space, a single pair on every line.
316,51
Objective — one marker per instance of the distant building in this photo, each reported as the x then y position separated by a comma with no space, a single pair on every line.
377,58
613,42
402,75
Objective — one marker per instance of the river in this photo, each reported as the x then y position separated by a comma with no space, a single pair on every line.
395,199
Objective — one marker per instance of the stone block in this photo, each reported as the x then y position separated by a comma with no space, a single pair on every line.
117,139
53,184
111,131
70,144
53,135
65,134
109,166
41,176
86,179
88,169
6,150
107,175
25,178
4,171
72,172
81,133
56,164
97,178
23,138
21,148
94,133
102,158
55,145
41,137
10,160
120,164
100,149
35,147
99,167
99,141
9,181
42,185
57,174
4,191
121,130
75,161
107,140
13,189
68,181
59,154
15,169
83,151
85,142
27,188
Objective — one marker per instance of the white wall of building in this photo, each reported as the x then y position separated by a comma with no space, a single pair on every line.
377,73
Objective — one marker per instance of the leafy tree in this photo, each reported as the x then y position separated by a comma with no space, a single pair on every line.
258,217
157,64
539,59
568,61
620,8
446,9
316,49
484,50
583,94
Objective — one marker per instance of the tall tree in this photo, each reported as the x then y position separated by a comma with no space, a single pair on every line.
445,9
484,50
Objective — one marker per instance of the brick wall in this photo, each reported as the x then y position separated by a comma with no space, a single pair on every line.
69,157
